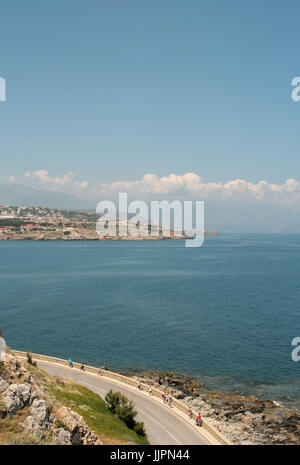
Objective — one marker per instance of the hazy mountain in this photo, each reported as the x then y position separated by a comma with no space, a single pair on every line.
238,217
17,194
219,216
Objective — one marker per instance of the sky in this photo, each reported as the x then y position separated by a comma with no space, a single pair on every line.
176,98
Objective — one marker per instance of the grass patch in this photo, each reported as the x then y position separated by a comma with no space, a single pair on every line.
63,392
92,408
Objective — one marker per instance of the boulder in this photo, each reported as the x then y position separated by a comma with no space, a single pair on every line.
70,418
80,432
3,385
31,426
26,394
62,437
91,439
12,398
40,411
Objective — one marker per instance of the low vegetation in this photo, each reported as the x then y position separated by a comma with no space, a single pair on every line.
11,432
110,428
30,360
119,405
58,393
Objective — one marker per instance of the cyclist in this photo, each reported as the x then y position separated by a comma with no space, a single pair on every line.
199,420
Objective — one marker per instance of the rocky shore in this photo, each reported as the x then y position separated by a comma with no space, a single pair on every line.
87,235
243,420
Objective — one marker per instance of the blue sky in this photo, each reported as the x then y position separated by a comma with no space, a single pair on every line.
113,90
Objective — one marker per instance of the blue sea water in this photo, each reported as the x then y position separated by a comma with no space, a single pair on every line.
225,312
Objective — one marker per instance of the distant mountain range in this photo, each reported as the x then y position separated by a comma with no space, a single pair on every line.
219,216
17,194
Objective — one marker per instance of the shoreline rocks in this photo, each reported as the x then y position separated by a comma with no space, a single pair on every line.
243,419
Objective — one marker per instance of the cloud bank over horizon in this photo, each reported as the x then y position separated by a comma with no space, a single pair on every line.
236,205
173,186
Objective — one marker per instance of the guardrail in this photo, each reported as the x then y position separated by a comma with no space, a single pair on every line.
221,439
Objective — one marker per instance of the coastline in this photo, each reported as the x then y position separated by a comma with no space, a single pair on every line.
245,420
78,237
242,420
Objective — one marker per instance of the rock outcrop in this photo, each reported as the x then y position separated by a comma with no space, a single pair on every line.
75,424
32,427
18,389
62,437
40,412
17,396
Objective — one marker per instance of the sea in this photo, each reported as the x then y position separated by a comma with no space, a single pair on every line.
225,313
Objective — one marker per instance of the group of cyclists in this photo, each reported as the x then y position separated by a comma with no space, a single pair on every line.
167,399
82,367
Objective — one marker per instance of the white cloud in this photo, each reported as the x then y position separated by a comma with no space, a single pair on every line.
190,185
64,183
172,186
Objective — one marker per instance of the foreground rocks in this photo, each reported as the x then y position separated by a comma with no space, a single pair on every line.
80,434
20,392
17,396
243,420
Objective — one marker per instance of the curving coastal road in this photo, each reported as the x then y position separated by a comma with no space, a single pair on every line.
162,425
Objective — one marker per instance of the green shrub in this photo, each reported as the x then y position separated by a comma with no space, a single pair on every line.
122,407
139,428
29,359
94,410
113,400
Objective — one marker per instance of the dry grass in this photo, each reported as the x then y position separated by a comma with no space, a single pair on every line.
11,432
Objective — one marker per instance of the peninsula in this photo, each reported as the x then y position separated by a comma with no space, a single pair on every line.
46,224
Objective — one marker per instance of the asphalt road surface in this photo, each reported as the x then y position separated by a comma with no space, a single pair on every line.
162,425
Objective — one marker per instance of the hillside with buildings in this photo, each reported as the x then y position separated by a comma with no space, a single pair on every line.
36,223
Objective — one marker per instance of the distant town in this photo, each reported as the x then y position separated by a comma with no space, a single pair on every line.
36,223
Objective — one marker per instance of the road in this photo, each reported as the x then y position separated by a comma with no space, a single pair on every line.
162,425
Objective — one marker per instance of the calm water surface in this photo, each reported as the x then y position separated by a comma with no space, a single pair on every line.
226,312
